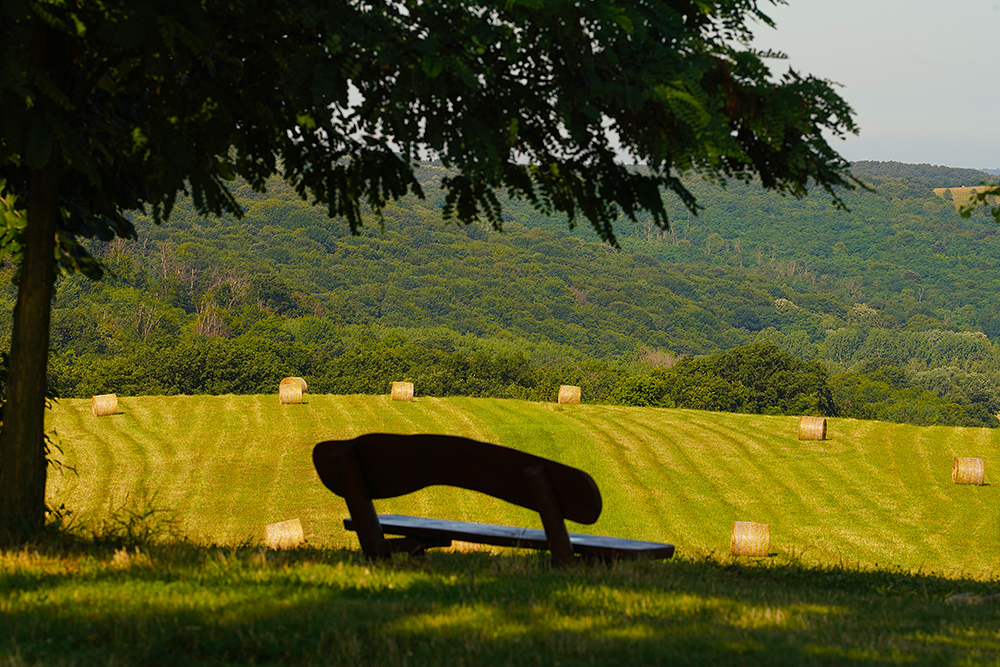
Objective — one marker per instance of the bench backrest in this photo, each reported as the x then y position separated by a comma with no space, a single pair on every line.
395,465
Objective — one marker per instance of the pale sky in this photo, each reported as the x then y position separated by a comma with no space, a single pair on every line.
923,77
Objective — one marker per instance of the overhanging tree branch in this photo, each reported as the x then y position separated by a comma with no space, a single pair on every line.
130,103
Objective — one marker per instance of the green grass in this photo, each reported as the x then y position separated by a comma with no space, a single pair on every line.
873,494
180,605
871,541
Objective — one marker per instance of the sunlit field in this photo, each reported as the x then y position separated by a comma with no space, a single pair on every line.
960,195
872,494
876,557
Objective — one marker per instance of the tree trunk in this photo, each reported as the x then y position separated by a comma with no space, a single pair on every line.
23,459
22,442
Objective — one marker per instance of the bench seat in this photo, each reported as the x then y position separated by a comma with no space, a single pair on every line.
588,546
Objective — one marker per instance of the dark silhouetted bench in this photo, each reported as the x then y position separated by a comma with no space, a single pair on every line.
380,465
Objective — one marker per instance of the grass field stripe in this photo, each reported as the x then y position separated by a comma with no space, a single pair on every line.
343,422
623,460
872,493
752,463
436,415
636,460
264,460
921,460
456,414
93,451
761,467
862,485
620,494
704,478
766,493
918,449
72,437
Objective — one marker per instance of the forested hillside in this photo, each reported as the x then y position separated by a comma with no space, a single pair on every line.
899,281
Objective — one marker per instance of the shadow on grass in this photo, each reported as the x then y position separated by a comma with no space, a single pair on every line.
70,600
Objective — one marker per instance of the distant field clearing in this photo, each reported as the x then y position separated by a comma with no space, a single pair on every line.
960,195
872,493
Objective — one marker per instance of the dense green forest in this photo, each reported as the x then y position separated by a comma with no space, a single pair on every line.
894,299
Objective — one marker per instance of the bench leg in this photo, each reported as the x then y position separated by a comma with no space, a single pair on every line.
551,513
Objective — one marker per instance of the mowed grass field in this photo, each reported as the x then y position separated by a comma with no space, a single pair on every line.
962,194
872,495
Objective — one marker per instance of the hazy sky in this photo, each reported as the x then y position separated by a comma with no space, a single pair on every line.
923,77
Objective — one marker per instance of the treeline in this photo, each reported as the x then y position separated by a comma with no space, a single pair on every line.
332,361
762,378
881,389
759,378
850,346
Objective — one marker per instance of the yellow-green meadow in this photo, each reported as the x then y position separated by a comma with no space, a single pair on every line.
871,494
876,557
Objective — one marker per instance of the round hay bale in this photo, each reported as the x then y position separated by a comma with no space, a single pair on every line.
569,394
104,404
300,382
284,534
968,470
750,539
812,428
289,394
402,391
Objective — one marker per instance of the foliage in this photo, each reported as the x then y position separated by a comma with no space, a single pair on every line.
985,198
902,181
885,391
901,250
563,303
835,269
345,362
759,378
107,108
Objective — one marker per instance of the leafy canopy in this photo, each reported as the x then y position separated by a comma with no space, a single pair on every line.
107,107
139,101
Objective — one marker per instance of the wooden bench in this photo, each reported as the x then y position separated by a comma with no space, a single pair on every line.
379,465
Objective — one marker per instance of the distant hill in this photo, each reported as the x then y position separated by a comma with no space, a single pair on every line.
898,278
934,176
899,255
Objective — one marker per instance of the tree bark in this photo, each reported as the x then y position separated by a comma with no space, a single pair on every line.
23,459
22,441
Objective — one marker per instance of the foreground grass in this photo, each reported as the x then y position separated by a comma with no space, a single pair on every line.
179,604
873,495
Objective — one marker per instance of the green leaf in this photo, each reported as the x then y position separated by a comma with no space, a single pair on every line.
623,21
432,65
78,25
138,138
